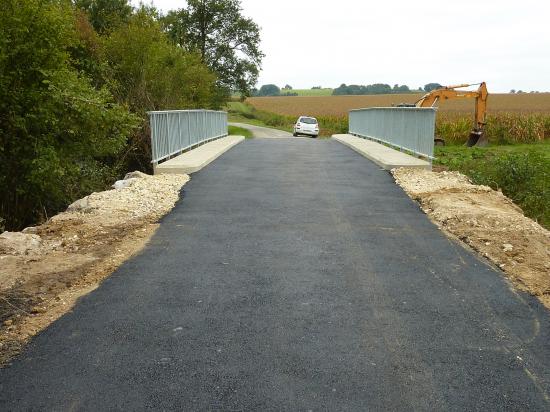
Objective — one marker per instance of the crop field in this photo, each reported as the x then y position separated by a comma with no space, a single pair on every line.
340,105
512,118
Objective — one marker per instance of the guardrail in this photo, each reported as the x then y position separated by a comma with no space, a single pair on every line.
173,131
406,128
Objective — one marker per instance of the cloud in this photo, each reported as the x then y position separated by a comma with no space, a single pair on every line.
309,43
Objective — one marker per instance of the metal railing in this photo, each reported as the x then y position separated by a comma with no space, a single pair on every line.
406,128
173,131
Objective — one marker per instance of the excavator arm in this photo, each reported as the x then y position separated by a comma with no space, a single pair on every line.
432,98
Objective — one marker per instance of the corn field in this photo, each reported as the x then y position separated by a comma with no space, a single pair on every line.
522,118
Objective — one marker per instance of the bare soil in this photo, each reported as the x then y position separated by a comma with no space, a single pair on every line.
486,221
45,269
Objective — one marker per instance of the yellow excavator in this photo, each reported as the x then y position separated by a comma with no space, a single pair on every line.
477,136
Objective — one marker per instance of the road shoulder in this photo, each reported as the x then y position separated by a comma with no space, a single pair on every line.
487,222
383,156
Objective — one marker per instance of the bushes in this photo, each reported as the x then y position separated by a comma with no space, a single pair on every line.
73,101
147,72
524,178
56,130
522,172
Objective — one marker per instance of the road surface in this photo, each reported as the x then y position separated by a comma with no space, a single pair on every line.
263,132
293,275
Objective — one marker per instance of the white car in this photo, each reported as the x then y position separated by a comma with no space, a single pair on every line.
306,125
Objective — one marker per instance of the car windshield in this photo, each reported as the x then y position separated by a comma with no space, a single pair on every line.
308,120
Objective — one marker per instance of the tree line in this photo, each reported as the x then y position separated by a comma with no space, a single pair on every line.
77,78
343,89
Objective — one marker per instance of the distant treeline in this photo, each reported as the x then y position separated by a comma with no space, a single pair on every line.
376,88
343,89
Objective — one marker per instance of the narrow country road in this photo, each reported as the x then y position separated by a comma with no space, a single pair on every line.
293,275
263,132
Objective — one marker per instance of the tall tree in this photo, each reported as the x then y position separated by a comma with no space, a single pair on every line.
227,42
105,15
58,134
432,86
149,72
269,90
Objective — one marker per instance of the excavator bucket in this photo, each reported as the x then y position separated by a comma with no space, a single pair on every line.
477,138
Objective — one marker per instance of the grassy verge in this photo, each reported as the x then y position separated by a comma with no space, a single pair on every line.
240,131
521,171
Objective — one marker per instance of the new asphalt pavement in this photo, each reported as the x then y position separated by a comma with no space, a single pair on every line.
294,275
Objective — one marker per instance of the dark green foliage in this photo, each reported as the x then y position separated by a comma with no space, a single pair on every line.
401,89
269,90
432,86
148,72
105,15
377,88
227,41
522,172
73,98
57,132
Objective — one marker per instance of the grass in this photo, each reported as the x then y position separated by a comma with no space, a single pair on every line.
521,171
240,131
309,92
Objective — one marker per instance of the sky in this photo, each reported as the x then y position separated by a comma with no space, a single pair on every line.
326,43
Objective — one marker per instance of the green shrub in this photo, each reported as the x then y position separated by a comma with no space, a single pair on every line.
58,134
522,172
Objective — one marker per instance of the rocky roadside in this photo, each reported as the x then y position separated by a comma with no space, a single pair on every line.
45,269
486,221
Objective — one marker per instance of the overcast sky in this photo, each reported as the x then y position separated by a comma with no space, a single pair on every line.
325,43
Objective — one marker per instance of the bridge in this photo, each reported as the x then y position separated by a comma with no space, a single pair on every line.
292,275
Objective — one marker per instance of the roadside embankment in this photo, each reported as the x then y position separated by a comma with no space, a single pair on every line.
45,269
488,222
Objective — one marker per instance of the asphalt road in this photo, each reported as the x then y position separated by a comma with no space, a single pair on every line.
293,275
263,132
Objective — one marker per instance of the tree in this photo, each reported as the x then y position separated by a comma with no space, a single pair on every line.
401,89
432,86
269,90
148,72
227,41
105,15
287,87
512,91
58,134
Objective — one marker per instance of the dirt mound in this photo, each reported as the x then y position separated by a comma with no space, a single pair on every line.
44,269
488,222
